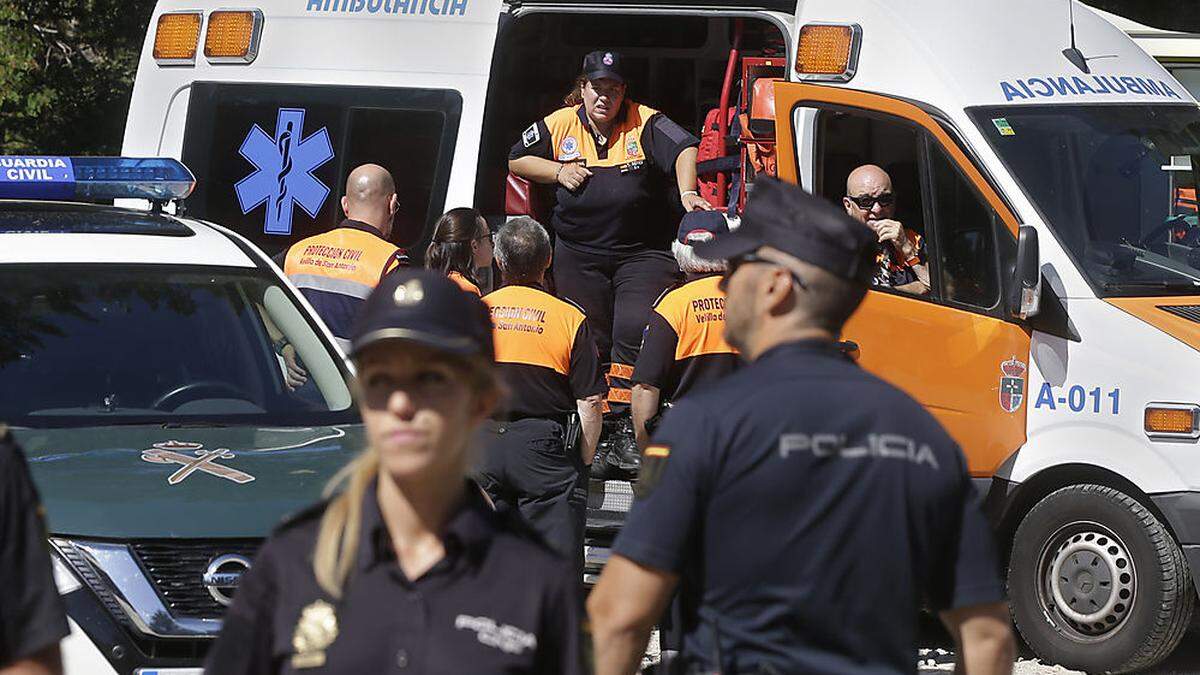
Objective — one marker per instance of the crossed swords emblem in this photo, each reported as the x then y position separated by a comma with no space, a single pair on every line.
199,460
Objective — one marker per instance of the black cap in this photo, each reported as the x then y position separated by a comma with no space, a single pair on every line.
426,308
801,225
603,64
697,227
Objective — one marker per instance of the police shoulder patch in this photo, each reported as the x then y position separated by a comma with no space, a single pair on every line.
654,462
531,135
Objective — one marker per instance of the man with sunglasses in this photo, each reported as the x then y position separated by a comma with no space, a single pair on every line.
806,509
900,259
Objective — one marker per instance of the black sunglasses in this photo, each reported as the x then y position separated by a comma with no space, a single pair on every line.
737,261
867,201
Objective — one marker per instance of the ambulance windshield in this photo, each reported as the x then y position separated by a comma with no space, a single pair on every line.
1115,182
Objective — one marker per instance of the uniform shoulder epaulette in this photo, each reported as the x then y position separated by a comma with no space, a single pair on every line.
305,515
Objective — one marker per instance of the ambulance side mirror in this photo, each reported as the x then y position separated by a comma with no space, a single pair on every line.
1025,291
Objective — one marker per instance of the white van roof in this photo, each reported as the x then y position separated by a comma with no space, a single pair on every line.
1163,44
960,53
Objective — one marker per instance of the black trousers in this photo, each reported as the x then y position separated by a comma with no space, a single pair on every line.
616,291
527,468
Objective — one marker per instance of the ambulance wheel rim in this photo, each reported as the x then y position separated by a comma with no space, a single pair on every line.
1089,581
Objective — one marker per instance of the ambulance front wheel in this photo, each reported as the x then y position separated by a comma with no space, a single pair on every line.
1097,583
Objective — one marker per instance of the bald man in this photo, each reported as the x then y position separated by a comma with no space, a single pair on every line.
871,201
337,270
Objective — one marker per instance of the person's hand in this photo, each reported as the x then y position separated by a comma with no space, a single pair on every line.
694,202
573,175
293,374
892,231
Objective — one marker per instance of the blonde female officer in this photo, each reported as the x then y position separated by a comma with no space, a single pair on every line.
406,569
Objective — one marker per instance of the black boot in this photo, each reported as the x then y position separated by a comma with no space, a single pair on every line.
617,456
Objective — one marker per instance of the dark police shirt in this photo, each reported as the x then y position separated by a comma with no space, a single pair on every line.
544,350
809,508
31,613
684,346
499,602
623,207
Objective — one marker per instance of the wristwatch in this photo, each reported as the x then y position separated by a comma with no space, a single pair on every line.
279,344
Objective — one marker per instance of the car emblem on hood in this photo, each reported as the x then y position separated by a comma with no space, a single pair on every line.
201,460
223,575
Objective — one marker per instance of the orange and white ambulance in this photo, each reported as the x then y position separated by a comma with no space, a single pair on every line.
1035,147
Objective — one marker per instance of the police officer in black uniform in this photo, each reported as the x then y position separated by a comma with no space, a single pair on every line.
32,619
407,569
611,159
806,508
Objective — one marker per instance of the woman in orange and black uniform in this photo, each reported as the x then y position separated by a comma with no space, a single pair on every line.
462,243
611,159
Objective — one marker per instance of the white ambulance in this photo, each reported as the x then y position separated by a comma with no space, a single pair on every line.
1037,149
1178,51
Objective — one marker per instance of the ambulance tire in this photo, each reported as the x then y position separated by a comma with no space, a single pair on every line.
1108,550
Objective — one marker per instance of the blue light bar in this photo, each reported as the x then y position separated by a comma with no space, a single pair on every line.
90,178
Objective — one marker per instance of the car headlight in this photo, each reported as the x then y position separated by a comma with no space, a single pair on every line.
64,577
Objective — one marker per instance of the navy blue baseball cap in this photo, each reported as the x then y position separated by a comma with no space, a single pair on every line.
787,218
600,64
426,308
697,227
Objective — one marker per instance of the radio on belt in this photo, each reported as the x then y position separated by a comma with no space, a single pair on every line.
157,179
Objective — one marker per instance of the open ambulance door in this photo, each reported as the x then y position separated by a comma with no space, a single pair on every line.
955,349
272,141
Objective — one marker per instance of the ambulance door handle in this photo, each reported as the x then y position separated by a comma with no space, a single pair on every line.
849,348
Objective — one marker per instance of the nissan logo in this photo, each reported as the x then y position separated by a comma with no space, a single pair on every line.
223,575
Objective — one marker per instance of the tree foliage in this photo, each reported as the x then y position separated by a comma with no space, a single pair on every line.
66,73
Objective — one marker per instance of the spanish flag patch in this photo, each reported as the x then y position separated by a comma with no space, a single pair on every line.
654,462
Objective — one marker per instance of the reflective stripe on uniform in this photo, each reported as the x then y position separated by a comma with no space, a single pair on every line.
342,286
620,370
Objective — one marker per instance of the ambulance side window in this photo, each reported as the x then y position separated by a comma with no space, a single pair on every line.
966,234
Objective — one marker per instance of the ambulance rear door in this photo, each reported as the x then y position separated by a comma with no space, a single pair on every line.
329,85
955,350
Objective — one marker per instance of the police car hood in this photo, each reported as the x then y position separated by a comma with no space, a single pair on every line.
149,482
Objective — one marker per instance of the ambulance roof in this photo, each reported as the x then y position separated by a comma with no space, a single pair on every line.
960,53
1160,43
62,232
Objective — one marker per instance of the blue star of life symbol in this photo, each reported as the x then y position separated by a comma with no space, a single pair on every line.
284,165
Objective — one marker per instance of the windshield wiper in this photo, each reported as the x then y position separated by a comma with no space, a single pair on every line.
1161,284
198,424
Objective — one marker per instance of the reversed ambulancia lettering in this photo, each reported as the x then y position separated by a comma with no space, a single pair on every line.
384,7
1075,86
881,446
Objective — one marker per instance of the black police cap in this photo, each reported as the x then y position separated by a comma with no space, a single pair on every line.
600,64
801,225
426,308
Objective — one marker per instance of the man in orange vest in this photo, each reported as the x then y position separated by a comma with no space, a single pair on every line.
338,269
683,345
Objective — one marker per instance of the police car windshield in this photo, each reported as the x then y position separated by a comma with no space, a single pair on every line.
97,345
1115,182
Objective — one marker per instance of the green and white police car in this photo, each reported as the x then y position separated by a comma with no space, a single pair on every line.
174,395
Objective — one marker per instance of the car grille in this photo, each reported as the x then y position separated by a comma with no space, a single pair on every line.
1189,312
176,569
